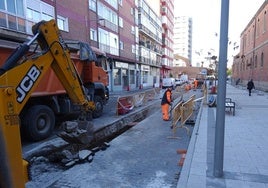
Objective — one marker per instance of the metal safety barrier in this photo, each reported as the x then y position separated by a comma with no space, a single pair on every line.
181,112
176,114
205,93
139,99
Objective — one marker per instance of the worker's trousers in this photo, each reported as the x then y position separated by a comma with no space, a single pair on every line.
165,113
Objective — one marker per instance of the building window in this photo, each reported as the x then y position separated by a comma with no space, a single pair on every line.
33,15
132,76
125,77
113,3
137,2
121,22
103,37
133,30
117,76
63,23
133,49
93,34
15,20
164,10
92,5
258,28
36,11
2,5
264,22
13,6
108,42
121,45
145,75
256,61
108,14
262,59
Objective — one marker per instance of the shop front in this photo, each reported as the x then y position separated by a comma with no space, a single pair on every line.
145,71
123,76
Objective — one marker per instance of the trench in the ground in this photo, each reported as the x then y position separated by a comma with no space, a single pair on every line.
107,134
103,136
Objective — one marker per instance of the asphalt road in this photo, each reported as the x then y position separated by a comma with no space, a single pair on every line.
143,156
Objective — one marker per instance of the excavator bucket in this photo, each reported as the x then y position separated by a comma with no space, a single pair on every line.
77,132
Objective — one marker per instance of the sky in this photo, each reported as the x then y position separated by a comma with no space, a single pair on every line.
206,21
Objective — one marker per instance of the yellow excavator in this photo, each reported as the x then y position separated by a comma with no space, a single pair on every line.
19,76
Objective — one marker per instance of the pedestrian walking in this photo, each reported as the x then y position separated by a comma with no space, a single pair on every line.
250,86
165,103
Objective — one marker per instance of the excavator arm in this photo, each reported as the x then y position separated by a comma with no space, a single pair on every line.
19,76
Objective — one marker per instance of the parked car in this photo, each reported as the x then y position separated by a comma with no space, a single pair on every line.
169,82
178,82
184,78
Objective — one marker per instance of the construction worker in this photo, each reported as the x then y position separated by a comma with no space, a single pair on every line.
195,83
165,103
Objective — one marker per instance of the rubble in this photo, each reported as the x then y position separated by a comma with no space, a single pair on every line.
83,154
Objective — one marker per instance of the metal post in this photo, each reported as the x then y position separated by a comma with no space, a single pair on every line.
220,115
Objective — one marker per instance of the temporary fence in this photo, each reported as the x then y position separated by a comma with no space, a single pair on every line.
187,110
181,112
180,88
124,105
205,93
151,93
127,103
139,99
176,113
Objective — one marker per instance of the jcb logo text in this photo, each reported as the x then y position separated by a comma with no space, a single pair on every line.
27,83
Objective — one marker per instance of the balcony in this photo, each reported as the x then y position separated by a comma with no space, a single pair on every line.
164,22
14,27
108,49
148,33
142,43
105,23
144,60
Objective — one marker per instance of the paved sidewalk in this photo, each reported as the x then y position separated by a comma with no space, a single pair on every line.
245,145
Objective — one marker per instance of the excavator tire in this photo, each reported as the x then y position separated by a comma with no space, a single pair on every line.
38,123
99,107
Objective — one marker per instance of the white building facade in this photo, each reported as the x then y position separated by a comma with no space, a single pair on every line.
182,43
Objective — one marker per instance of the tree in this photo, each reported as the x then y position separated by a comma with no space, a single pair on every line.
229,72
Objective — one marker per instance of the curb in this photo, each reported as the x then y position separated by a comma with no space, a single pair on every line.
184,176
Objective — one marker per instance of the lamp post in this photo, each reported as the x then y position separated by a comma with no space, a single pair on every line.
221,95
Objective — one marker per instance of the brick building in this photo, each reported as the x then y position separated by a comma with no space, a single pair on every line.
252,60
127,32
167,13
